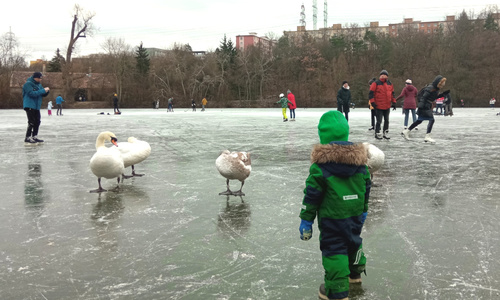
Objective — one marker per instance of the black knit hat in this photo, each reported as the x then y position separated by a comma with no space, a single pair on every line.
344,82
37,75
384,72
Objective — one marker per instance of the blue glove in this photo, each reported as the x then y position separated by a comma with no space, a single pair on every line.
363,217
306,230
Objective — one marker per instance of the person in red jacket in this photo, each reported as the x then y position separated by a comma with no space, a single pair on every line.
409,93
292,106
382,98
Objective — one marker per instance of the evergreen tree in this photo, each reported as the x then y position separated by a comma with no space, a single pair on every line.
142,58
227,51
55,65
490,24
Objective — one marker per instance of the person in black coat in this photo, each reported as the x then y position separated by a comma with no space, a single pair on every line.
424,112
344,99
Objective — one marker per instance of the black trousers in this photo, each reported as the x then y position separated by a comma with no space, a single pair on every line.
33,121
374,116
382,113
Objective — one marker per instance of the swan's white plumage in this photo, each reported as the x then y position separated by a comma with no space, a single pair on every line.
134,151
234,165
376,157
106,162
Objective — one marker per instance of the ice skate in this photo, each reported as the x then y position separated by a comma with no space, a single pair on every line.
37,140
406,134
428,139
29,140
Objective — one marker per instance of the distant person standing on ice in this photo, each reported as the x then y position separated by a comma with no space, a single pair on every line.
49,108
409,93
115,104
284,104
344,99
292,105
372,109
382,98
203,103
492,102
425,100
59,101
462,103
193,104
170,104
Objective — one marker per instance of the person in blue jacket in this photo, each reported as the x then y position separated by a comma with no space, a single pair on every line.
59,101
33,92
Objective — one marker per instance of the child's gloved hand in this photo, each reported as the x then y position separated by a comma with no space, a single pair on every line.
363,217
393,106
306,230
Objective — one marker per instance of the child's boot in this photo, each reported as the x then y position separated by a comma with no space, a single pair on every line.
322,293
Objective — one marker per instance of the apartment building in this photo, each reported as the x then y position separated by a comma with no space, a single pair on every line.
252,40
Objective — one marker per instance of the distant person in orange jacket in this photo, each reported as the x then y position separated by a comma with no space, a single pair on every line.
382,98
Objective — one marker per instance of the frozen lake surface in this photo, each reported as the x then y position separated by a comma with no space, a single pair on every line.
432,230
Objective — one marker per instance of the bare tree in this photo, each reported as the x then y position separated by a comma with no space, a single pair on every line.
81,26
120,57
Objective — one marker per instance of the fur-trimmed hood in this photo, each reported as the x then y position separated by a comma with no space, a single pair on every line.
340,153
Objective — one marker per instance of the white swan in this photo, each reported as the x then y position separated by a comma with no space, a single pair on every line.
234,165
376,158
133,152
106,162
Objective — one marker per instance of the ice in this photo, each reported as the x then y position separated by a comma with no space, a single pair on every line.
432,230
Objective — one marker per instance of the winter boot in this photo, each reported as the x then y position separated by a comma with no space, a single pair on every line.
30,140
355,278
322,293
378,136
406,134
36,139
428,139
284,120
386,135
371,128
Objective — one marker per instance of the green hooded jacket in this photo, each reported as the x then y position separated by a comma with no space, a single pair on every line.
284,102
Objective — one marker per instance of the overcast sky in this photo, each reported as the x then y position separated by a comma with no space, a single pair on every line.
41,27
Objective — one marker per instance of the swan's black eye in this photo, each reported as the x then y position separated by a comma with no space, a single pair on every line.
114,139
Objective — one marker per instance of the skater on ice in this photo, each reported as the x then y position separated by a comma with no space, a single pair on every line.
336,193
426,97
284,104
344,99
382,99
409,93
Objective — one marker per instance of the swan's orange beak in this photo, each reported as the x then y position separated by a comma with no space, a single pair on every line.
114,140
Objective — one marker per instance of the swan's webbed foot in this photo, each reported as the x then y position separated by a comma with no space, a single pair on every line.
238,193
116,189
99,190
134,174
228,192
127,176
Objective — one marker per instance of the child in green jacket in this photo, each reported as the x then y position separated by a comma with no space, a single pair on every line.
337,192
284,104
